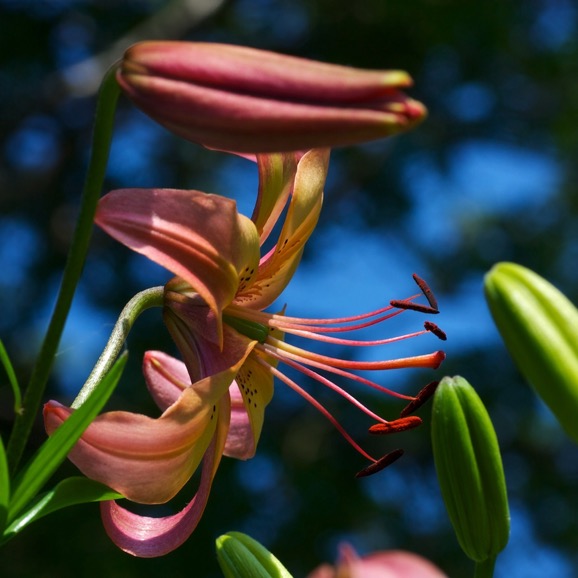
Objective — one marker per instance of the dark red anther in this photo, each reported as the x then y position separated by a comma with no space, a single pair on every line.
425,393
380,464
433,328
426,291
401,304
397,425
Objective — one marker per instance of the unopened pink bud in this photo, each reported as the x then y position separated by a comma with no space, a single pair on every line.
253,101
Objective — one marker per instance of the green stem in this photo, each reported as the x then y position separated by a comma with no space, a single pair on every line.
485,569
140,302
102,136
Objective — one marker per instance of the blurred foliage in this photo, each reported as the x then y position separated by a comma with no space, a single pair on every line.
496,76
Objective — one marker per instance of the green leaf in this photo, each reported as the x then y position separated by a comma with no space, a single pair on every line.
5,360
69,492
4,486
55,449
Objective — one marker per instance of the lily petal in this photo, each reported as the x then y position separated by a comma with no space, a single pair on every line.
384,564
149,460
191,324
167,377
250,70
256,387
276,177
393,564
186,319
148,537
197,236
240,442
277,267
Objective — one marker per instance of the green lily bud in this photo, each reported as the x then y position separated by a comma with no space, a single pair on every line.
539,326
469,469
240,556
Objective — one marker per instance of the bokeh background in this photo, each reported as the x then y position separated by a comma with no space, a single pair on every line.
490,176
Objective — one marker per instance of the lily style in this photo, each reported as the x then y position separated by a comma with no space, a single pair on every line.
232,348
242,99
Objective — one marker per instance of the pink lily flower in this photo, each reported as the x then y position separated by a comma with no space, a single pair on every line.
247,100
386,564
224,283
231,347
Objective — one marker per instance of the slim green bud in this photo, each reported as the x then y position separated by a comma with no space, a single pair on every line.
469,469
539,326
240,556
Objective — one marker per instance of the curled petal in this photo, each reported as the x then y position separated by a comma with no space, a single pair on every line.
276,178
199,237
149,460
277,267
307,196
165,376
148,537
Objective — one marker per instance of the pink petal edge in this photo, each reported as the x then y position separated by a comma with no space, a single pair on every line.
147,537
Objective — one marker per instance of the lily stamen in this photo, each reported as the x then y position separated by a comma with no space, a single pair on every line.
380,464
327,382
406,304
430,360
423,395
274,352
428,293
280,318
352,342
306,362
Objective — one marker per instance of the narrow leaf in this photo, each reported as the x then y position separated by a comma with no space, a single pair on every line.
4,486
54,450
69,492
5,360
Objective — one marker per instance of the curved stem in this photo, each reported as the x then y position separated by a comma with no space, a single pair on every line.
140,302
102,136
